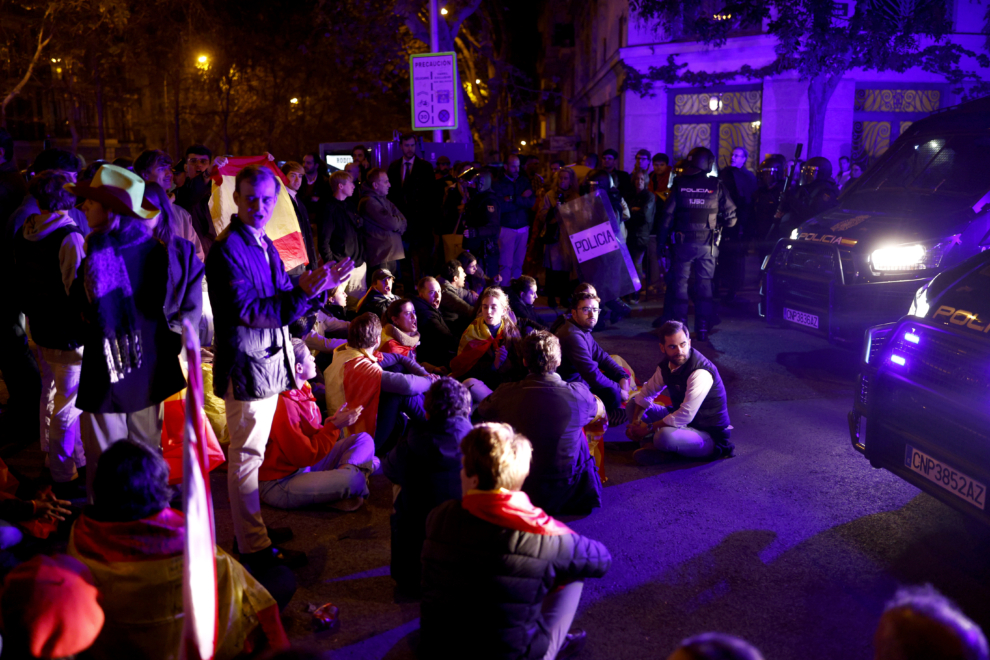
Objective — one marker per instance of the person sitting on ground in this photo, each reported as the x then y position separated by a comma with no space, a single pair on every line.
400,332
715,646
382,384
42,509
456,302
487,349
563,478
426,465
379,295
919,623
583,359
321,331
500,576
438,343
475,280
50,608
522,295
132,541
306,461
697,424
565,316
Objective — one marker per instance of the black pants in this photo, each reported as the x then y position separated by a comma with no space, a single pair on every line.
389,407
698,258
730,273
23,380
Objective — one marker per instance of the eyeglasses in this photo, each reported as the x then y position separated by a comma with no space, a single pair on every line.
589,310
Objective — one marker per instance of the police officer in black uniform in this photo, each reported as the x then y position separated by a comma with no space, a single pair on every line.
481,221
770,176
818,192
697,210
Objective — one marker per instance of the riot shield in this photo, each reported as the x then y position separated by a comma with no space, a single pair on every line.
589,233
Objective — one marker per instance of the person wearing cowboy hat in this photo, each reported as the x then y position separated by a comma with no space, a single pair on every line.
130,360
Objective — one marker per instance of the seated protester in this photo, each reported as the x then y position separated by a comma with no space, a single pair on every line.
583,359
487,350
438,343
697,424
919,623
565,316
43,510
475,277
399,328
379,295
50,609
322,332
47,251
426,464
132,542
522,295
456,302
306,461
552,413
719,646
382,384
500,576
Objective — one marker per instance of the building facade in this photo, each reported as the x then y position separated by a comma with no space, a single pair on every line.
589,43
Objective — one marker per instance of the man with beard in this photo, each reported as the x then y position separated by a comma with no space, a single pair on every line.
697,424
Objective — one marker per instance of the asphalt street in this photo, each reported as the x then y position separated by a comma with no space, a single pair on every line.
794,544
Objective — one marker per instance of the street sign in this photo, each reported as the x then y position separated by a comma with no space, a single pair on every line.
563,142
433,92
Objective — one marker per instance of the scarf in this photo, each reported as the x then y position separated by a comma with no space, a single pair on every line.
475,342
512,509
108,288
397,341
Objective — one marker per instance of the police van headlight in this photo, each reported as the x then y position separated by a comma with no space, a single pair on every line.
910,256
794,234
919,306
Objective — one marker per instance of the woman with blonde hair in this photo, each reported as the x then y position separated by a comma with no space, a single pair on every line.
487,349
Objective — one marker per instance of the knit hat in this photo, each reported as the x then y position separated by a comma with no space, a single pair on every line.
52,602
119,190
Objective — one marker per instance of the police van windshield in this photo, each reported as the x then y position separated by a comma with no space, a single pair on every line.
953,165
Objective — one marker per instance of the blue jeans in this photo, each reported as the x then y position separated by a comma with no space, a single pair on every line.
559,608
338,476
686,441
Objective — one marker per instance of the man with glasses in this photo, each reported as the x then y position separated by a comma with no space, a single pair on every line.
582,359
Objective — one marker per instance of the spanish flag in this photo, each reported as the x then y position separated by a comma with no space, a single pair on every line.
283,228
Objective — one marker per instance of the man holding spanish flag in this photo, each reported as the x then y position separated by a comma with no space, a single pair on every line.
253,303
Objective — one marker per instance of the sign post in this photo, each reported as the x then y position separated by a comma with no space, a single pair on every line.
433,92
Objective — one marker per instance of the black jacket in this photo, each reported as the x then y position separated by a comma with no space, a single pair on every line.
194,197
437,344
515,208
253,303
484,585
375,302
426,463
417,197
624,184
526,316
642,208
696,201
583,359
338,233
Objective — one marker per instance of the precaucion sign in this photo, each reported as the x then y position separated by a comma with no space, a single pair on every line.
433,93
594,242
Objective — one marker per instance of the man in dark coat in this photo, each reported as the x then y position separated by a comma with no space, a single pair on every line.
253,302
697,424
563,478
315,189
194,193
740,183
454,306
379,295
426,464
437,344
642,208
582,359
384,223
620,178
501,578
414,192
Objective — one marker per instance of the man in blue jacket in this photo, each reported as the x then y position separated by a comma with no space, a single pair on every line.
515,200
253,303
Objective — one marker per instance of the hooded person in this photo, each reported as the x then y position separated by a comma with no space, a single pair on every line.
130,354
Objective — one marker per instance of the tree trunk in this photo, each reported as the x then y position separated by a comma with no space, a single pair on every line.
175,109
820,90
99,114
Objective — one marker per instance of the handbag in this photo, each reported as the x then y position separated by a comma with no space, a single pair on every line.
453,244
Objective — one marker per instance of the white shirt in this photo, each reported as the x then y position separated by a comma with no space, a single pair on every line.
699,384
259,237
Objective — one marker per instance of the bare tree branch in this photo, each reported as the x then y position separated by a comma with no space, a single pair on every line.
462,15
42,42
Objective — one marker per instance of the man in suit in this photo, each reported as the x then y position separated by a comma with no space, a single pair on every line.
414,192
620,178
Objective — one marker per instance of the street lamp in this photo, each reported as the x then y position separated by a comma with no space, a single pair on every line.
443,12
202,62
714,103
477,81
293,100
202,59
522,142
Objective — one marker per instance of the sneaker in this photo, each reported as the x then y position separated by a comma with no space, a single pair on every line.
347,506
573,644
273,556
649,456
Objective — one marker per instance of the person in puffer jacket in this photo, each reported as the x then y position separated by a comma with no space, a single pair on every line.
501,578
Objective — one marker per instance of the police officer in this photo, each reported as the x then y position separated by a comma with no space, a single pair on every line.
691,221
818,192
770,176
482,222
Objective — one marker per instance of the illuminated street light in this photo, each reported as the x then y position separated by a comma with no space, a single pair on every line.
477,81
202,59
293,100
522,142
443,12
714,103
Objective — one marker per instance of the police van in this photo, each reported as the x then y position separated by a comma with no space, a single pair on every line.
922,408
922,207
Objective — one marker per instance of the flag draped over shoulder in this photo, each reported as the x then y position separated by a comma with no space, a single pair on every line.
475,342
283,228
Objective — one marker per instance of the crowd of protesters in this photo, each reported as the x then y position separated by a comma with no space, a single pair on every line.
392,349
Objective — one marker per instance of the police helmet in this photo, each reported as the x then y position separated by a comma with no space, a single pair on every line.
816,169
702,158
772,170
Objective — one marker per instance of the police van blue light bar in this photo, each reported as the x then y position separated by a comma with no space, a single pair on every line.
911,337
897,359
